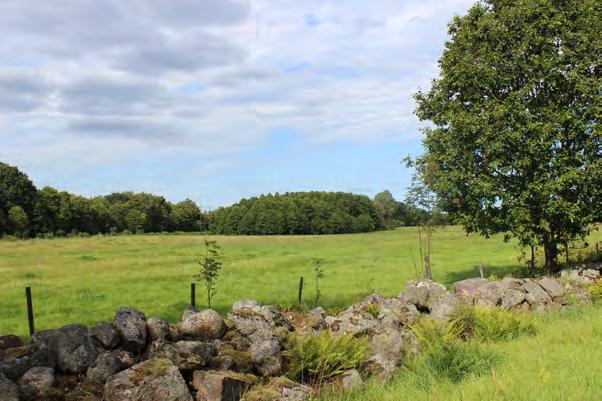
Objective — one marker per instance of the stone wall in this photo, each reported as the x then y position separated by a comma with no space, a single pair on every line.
207,358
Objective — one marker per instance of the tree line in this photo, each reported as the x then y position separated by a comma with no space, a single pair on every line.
26,211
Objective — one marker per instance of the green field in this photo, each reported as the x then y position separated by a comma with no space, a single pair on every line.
83,280
560,363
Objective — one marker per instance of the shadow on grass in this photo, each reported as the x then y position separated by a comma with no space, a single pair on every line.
514,270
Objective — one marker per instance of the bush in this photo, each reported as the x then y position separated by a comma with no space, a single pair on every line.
316,358
495,324
595,291
433,332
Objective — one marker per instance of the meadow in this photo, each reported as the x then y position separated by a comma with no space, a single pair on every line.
83,280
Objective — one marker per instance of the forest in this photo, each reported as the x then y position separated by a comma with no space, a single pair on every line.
26,211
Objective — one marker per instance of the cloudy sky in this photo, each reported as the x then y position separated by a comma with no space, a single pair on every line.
216,99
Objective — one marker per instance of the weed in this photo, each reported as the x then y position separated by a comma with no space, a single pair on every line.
373,309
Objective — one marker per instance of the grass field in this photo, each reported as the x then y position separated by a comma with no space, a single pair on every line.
84,280
560,363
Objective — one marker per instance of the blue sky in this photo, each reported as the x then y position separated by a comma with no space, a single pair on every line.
216,100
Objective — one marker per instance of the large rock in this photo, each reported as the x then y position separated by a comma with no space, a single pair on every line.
468,286
279,389
107,364
10,341
536,295
387,352
8,390
131,324
186,355
37,384
156,379
512,298
105,335
158,329
445,306
73,348
552,287
230,358
264,327
14,362
423,294
205,325
212,385
489,294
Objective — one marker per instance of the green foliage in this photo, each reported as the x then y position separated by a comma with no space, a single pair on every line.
373,310
456,360
297,213
495,324
432,332
316,358
515,145
318,265
18,221
211,264
595,291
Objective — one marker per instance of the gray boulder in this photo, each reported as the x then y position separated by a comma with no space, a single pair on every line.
107,364
131,325
512,298
14,362
73,348
387,352
279,389
423,294
152,380
158,329
266,357
186,355
205,325
8,390
37,384
535,294
105,335
489,294
444,306
468,286
552,287
212,385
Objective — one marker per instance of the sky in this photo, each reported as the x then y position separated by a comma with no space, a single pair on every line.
216,100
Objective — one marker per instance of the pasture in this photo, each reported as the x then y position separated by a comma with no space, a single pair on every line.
84,280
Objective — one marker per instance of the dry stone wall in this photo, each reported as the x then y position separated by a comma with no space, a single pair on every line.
207,358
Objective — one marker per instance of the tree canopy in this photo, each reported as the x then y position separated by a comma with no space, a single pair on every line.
515,140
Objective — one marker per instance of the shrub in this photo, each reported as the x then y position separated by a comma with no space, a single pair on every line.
316,358
433,332
373,310
495,324
595,291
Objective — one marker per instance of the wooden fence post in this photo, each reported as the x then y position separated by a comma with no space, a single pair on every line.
29,310
300,296
193,295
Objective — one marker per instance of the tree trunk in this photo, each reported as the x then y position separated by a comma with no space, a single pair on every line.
551,255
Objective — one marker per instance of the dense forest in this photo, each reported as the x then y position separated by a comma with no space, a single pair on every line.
26,211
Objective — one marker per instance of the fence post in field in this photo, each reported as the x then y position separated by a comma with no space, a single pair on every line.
29,310
481,269
193,295
300,296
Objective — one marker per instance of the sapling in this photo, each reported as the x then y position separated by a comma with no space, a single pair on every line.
318,264
211,265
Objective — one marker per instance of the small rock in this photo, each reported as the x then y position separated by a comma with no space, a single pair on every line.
16,361
212,385
279,389
131,324
231,359
152,380
105,335
158,329
205,325
107,364
8,390
10,341
37,384
194,354
74,349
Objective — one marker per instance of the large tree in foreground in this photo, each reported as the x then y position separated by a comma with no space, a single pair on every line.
515,140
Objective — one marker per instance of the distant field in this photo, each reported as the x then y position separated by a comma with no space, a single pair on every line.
85,279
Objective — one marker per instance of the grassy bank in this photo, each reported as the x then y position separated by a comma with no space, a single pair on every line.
85,279
560,363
